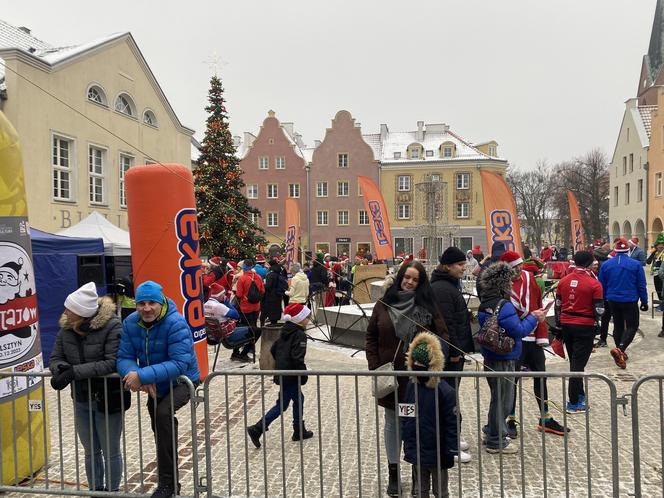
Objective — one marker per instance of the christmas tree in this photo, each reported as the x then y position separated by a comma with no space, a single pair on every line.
224,214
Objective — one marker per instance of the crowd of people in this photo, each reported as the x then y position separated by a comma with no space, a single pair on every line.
422,323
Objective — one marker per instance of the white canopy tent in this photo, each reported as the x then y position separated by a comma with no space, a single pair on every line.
116,240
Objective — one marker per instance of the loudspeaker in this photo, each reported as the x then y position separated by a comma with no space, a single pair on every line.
91,269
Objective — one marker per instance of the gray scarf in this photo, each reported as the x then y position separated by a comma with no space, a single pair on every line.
406,316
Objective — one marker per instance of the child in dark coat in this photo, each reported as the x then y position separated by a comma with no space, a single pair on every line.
288,352
434,421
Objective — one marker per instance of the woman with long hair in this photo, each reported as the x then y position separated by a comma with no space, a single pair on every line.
406,309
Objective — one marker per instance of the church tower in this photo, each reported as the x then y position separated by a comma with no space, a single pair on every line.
652,75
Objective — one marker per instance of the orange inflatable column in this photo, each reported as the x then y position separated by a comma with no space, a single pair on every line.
163,230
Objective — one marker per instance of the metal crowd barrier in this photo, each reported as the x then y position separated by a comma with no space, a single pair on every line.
347,455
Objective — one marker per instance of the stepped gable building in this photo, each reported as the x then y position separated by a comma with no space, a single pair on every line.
275,168
339,221
72,165
430,179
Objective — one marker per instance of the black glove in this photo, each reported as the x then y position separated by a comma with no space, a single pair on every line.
63,377
644,306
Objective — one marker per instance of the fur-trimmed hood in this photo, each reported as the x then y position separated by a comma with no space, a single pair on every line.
497,279
105,312
436,358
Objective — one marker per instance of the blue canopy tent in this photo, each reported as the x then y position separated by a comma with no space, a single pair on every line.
55,260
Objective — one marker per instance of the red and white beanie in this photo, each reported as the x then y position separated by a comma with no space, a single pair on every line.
217,291
260,259
231,265
295,313
215,261
621,245
511,258
633,241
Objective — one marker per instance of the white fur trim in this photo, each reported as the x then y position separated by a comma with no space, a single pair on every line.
516,262
543,341
299,317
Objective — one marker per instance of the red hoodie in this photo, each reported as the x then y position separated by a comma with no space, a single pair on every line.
579,298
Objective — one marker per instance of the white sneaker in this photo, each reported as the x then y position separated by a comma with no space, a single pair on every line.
463,446
463,456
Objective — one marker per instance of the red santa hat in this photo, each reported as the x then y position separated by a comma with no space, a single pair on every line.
260,259
477,249
231,265
531,267
511,258
633,241
215,260
296,312
217,291
621,245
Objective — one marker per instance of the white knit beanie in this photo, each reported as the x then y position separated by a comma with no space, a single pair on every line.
83,301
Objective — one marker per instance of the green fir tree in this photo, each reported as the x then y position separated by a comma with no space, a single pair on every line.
223,211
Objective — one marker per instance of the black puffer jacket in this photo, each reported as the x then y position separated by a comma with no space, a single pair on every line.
92,355
453,307
289,351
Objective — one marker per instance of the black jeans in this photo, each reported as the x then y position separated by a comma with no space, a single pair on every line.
532,357
605,321
625,322
165,428
658,286
249,319
579,340
453,367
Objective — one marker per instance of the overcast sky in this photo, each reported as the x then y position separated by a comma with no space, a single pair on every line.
545,79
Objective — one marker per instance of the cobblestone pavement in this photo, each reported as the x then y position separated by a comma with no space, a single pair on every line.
347,458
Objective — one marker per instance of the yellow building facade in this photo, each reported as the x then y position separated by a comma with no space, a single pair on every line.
656,171
85,115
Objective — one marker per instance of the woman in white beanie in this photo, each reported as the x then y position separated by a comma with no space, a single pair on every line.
85,350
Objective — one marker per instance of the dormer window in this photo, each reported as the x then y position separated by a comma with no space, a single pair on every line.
415,151
125,105
397,155
149,118
447,150
97,95
492,151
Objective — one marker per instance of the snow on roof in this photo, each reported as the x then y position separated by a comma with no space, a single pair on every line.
398,142
645,112
13,37
373,140
55,55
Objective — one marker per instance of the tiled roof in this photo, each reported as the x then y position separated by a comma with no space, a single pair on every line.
13,37
646,116
373,140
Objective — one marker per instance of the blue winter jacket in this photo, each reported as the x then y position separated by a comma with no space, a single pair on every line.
161,352
623,280
426,416
515,328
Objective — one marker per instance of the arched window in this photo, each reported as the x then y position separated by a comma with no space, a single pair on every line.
447,150
149,118
96,95
125,105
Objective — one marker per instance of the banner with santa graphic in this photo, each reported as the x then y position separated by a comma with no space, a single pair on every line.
26,438
578,239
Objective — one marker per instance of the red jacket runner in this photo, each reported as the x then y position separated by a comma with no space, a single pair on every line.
579,298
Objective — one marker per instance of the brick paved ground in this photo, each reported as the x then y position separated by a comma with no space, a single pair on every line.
341,411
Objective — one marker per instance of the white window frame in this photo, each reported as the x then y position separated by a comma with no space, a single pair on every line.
321,189
403,211
254,217
121,166
460,210
343,188
294,190
463,181
252,191
397,155
405,185
275,188
150,118
264,162
128,108
406,250
428,153
342,160
103,101
322,218
59,171
448,151
362,217
346,215
272,219
415,153
97,179
280,162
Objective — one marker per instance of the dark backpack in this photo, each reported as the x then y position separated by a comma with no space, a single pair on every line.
254,294
282,284
492,336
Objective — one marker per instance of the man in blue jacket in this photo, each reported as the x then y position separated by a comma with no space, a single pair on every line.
156,348
624,283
